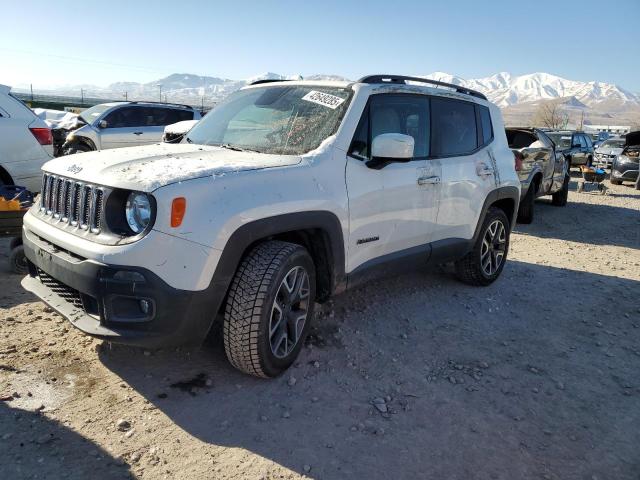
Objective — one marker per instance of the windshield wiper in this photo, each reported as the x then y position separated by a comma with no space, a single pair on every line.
235,148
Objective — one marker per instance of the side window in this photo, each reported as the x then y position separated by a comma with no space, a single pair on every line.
125,117
485,122
390,113
453,130
176,115
583,142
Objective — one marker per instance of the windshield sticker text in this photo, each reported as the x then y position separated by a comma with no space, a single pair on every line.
324,99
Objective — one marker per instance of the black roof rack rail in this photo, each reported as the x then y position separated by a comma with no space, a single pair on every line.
403,79
162,103
269,80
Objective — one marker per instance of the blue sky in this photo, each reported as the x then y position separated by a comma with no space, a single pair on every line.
89,42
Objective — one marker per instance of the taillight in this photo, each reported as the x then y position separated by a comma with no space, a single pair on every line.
43,135
517,159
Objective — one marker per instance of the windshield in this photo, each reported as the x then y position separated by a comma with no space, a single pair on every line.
284,120
90,114
561,140
615,143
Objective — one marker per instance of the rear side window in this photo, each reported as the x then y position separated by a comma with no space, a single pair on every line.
387,113
485,122
453,129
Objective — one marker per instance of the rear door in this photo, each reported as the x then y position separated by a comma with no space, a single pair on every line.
392,211
462,136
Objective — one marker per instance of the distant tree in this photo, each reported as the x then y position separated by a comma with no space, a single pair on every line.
550,115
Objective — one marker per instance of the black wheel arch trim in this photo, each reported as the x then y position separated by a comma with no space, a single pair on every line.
289,223
500,193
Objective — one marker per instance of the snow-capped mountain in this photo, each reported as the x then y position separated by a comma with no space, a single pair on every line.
505,89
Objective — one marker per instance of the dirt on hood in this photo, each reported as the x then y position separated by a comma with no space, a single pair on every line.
150,167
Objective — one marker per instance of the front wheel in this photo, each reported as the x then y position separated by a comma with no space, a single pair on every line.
18,261
269,308
483,265
559,199
76,148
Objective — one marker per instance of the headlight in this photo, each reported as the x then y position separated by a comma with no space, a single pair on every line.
138,211
624,159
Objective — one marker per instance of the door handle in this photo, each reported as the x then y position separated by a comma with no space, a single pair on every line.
137,133
428,180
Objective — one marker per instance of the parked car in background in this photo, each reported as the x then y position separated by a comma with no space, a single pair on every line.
541,169
626,166
125,124
599,137
577,147
25,143
283,195
608,151
175,132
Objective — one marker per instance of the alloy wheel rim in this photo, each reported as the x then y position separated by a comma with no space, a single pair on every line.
493,249
289,312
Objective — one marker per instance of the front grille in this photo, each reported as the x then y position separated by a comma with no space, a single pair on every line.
75,203
67,293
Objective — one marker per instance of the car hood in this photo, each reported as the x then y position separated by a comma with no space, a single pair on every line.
150,167
609,150
632,139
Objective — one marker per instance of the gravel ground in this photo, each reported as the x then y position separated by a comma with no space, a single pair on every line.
418,376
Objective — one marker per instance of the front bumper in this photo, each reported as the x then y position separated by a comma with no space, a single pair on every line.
106,304
625,171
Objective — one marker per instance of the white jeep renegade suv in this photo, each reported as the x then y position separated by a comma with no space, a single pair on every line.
284,194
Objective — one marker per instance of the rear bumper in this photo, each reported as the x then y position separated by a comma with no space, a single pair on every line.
122,304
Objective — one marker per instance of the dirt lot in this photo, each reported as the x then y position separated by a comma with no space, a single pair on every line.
536,376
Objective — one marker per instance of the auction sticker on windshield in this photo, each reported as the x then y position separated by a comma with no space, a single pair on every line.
324,99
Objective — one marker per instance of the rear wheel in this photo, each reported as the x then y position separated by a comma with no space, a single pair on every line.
269,308
485,262
525,210
559,199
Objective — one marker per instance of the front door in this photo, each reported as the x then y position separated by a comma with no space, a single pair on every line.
126,127
392,210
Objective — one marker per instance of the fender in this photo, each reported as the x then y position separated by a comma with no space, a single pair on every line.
250,233
527,183
501,193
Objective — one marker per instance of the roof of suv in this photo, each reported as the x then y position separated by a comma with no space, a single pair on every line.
377,81
155,104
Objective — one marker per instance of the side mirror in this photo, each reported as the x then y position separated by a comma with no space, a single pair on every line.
390,147
103,124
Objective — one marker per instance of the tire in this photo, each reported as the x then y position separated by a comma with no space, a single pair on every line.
525,210
14,242
559,198
17,260
77,148
258,295
589,161
469,268
614,181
